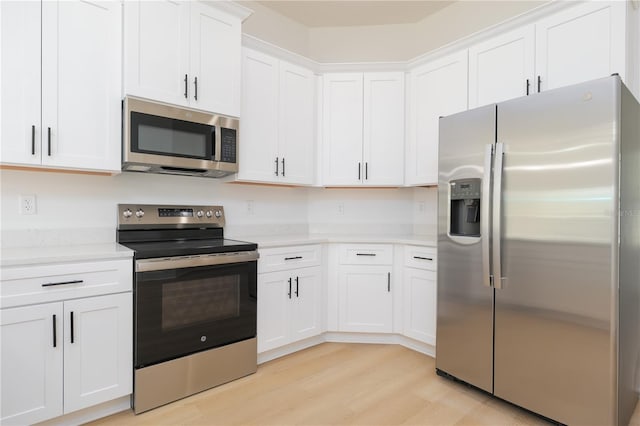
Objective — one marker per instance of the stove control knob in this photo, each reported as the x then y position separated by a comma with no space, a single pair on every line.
200,213
209,213
218,214
127,213
139,213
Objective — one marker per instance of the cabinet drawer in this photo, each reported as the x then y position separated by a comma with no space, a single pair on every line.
420,257
282,258
49,283
366,254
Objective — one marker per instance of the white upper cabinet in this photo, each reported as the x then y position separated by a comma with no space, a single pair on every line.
502,68
363,129
436,89
156,50
68,114
296,139
278,121
580,44
183,53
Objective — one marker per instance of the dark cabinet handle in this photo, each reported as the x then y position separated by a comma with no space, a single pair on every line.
63,283
55,342
297,293
276,166
289,294
72,329
293,258
185,85
365,254
359,170
422,258
389,282
528,85
195,83
366,170
33,140
49,141
283,166
539,83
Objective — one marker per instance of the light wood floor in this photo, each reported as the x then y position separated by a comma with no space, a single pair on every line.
338,384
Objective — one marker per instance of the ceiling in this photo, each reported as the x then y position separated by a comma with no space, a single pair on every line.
313,13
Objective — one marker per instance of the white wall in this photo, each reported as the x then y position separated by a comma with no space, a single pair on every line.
75,208
361,211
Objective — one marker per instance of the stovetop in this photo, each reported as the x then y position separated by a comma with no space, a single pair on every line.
154,231
154,249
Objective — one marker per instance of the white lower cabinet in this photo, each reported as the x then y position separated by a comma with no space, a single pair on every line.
420,294
288,307
67,355
365,288
289,295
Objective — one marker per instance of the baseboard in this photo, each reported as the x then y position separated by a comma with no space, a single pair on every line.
341,337
91,413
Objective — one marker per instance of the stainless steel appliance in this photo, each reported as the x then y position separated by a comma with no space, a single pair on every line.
195,301
539,251
163,138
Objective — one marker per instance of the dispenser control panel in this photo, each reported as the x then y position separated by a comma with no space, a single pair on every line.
464,213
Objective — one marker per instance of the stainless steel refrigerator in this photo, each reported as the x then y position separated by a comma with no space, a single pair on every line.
539,251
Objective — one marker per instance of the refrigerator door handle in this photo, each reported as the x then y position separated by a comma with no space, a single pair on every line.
498,279
485,217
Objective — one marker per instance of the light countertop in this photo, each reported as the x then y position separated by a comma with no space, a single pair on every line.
68,253
305,239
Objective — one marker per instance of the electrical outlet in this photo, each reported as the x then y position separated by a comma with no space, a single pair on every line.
421,207
27,204
250,208
340,209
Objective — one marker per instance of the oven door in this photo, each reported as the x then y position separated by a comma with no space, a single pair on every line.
188,304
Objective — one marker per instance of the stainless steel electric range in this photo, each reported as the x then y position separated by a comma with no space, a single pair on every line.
195,296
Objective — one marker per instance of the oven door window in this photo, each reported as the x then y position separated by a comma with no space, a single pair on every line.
183,311
151,134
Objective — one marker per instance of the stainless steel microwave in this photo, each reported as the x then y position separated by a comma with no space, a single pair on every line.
163,138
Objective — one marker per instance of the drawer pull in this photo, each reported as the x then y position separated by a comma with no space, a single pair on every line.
55,332
422,258
72,329
365,254
63,283
293,258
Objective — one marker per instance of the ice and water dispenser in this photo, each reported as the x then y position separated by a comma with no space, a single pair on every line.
465,207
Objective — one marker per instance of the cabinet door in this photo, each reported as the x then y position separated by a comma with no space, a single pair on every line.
502,68
258,144
342,129
365,301
580,44
31,361
215,60
98,355
420,305
305,318
383,129
81,82
296,139
156,50
275,294
436,89
20,129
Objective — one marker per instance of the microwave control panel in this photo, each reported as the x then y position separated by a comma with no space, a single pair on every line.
228,145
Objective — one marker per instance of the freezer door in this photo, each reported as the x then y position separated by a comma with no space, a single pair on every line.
464,332
554,325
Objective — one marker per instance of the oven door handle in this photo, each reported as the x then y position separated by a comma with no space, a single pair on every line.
179,262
